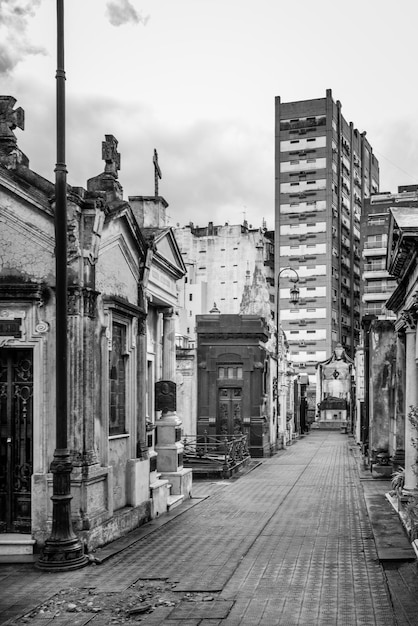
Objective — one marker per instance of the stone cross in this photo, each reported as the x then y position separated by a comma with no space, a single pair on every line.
157,171
9,118
110,155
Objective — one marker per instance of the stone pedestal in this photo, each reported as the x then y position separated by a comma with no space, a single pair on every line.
170,455
168,443
180,481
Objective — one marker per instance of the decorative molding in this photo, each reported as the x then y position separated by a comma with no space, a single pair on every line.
89,302
42,327
74,301
78,295
410,319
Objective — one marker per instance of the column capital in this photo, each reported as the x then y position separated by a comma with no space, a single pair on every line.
409,318
167,312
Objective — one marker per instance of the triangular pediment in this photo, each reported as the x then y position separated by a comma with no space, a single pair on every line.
167,253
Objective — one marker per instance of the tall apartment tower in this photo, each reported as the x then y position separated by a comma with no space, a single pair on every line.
325,168
377,285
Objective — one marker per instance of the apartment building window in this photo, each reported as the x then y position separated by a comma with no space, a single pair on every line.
376,221
376,241
190,296
375,264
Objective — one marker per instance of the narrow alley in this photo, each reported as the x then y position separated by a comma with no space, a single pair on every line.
290,543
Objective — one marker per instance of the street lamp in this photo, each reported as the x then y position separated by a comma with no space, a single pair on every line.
294,299
63,550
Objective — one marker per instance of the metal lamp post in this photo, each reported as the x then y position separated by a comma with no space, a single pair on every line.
294,299
63,550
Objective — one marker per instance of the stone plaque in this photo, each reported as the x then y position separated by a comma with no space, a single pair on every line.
11,328
165,396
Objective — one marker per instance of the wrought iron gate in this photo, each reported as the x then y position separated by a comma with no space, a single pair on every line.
16,449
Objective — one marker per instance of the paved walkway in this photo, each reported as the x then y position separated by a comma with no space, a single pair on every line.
288,544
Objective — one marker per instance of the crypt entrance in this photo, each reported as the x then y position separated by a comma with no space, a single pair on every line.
16,439
229,418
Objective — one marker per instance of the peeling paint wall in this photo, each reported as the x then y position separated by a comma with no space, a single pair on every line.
382,382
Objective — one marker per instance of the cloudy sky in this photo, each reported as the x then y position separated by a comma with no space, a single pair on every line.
196,79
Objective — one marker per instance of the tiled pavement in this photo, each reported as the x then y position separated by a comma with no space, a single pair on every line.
288,544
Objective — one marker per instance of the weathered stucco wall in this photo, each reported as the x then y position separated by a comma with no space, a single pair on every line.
26,243
382,382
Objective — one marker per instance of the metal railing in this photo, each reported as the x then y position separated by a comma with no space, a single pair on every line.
226,451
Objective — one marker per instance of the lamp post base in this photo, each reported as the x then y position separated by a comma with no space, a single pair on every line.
62,556
63,550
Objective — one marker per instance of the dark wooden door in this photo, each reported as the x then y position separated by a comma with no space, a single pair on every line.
16,439
229,420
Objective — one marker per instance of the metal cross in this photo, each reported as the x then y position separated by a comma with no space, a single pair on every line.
157,171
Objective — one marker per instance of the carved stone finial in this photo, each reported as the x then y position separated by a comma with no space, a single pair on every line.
10,118
110,155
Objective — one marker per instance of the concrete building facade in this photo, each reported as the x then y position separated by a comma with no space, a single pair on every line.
220,263
377,285
325,169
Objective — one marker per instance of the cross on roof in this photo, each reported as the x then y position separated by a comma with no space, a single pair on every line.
9,118
110,155
157,171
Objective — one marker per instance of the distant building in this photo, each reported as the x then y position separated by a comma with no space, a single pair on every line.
220,262
325,169
377,285
234,382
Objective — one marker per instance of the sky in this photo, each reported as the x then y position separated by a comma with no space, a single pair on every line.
197,80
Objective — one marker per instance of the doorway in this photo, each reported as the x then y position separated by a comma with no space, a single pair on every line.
16,439
229,419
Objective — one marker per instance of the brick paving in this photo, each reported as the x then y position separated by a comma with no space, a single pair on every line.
288,544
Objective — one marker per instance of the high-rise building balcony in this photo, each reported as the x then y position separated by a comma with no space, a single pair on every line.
378,264
379,288
373,274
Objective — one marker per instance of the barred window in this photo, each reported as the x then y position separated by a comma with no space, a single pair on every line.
117,380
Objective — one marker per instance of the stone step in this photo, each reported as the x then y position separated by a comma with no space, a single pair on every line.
15,547
392,543
173,501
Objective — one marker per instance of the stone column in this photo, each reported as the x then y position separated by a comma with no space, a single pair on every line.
411,399
169,447
398,460
169,345
141,436
82,409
